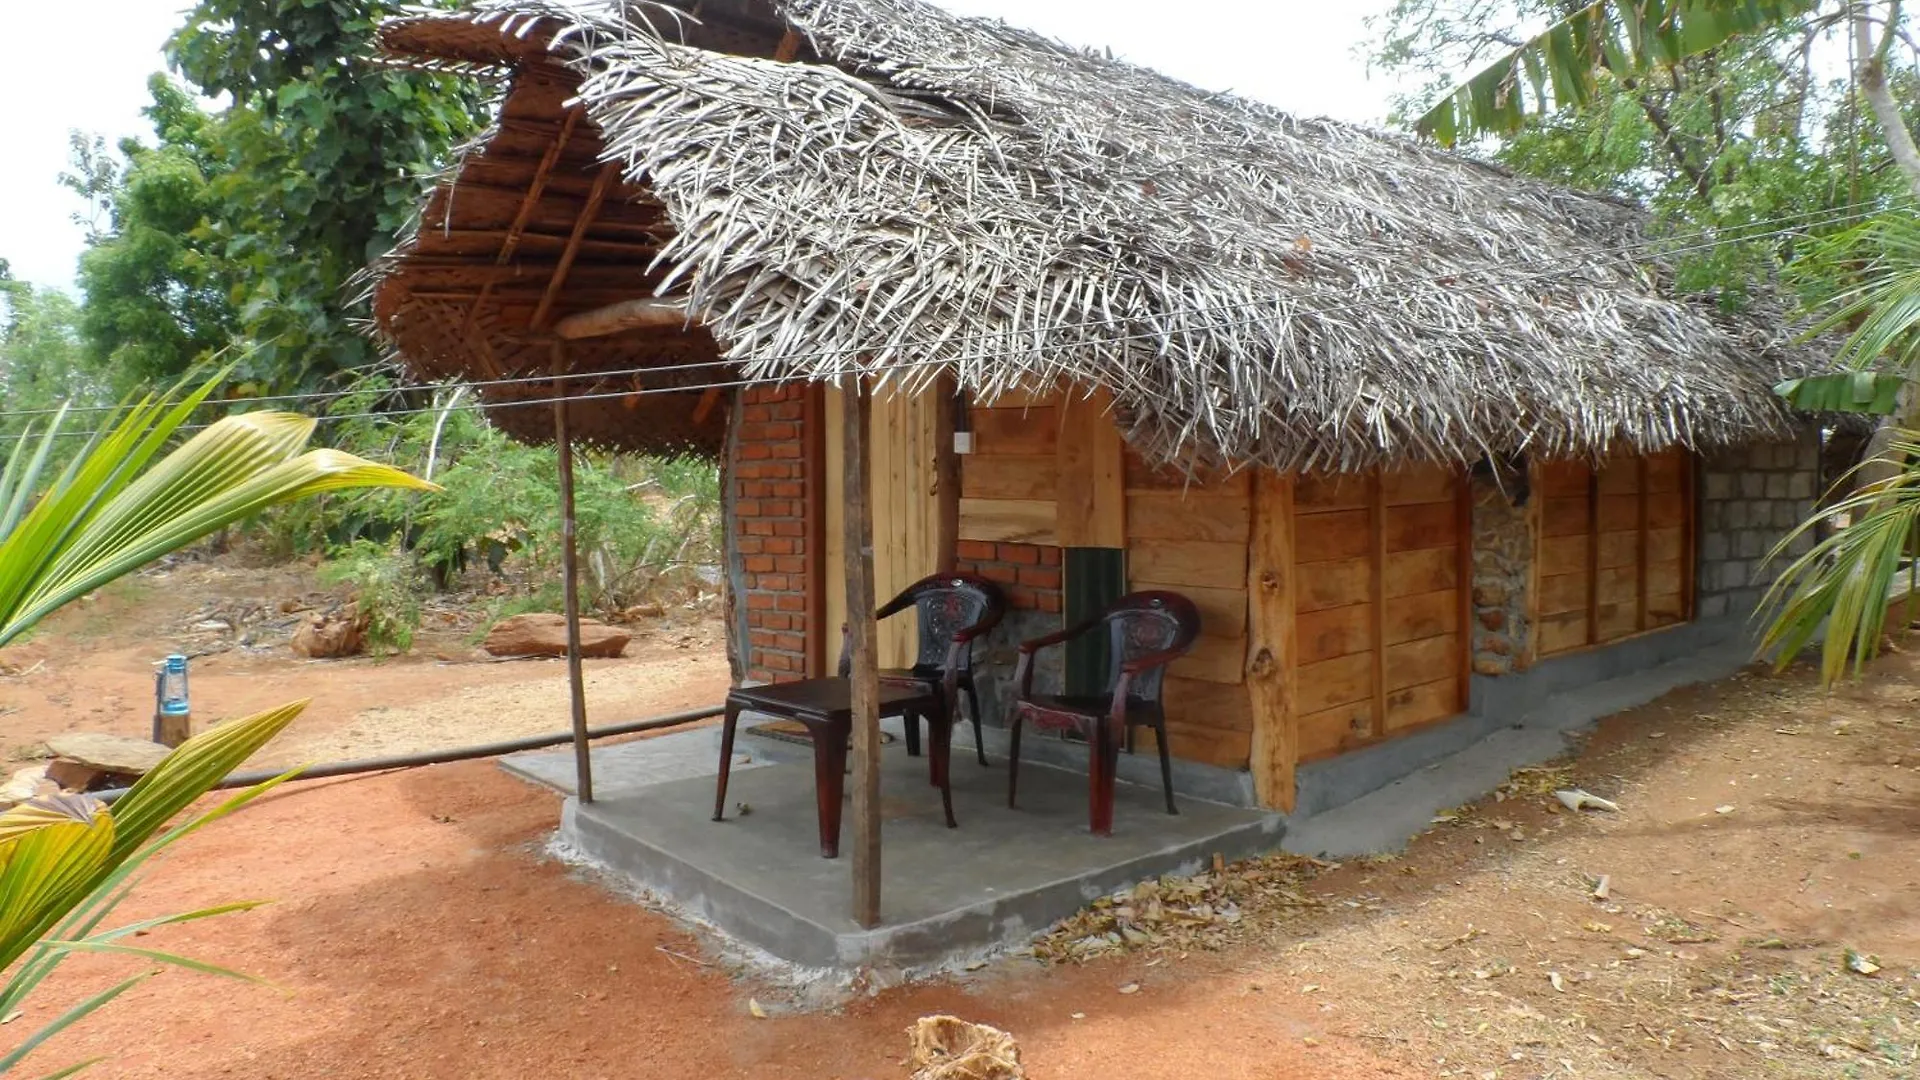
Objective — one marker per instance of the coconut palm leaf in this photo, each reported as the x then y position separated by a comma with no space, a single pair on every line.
109,512
1840,587
66,862
65,1020
1560,66
1873,392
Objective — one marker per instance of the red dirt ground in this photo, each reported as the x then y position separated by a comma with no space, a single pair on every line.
420,932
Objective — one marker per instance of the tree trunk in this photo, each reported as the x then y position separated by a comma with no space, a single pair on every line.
1872,78
1877,467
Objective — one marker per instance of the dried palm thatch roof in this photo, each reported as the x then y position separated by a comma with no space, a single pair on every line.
832,186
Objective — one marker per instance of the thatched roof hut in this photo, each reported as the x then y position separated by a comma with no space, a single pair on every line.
820,187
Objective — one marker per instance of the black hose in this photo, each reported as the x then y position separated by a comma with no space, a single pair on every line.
440,757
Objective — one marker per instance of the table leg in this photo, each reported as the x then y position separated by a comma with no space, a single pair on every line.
726,760
829,781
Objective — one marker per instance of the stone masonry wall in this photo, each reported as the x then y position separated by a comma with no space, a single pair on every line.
1503,551
1750,497
1030,576
768,531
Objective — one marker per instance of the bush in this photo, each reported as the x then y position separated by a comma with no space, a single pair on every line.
386,587
642,524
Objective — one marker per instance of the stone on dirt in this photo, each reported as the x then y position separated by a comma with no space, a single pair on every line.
118,755
545,634
949,1048
27,783
335,633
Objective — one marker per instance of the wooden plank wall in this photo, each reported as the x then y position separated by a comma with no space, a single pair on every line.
1380,587
1613,549
1010,484
1190,536
906,525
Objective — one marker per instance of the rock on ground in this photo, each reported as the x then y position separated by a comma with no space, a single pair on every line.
341,633
27,783
949,1048
121,755
545,634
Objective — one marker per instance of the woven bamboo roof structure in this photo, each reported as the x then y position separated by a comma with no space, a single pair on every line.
807,189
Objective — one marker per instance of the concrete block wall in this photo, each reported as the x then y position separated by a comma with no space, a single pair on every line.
1750,498
767,492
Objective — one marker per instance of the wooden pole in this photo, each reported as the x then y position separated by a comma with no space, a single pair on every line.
570,583
1271,656
862,639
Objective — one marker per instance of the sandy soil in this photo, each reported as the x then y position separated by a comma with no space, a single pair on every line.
1766,830
90,668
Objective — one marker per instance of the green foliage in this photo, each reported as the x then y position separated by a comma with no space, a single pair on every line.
68,861
1742,140
246,225
638,521
123,503
1561,66
1872,392
1838,590
41,362
386,588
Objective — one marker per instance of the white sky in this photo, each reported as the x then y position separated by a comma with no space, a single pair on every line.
1297,54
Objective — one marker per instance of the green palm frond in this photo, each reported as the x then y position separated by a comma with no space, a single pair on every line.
116,507
1560,66
1838,591
1874,392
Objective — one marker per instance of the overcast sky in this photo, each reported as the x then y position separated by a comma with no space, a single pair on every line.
1297,54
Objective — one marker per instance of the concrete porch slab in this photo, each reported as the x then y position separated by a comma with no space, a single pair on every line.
947,894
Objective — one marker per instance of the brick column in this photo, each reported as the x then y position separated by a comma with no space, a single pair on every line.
769,530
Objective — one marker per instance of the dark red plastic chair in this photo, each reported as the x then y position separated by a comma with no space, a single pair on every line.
1147,631
955,610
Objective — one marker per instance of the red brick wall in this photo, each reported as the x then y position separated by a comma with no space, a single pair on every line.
770,538
1029,573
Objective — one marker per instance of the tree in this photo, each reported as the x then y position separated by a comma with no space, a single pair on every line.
41,360
247,226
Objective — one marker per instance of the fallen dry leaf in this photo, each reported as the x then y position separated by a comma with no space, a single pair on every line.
1558,984
753,1006
1130,988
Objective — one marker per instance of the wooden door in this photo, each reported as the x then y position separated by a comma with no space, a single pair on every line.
1614,554
902,483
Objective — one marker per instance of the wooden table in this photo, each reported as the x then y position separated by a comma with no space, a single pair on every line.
825,706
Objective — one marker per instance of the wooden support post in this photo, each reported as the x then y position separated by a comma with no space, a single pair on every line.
1536,514
863,647
570,583
1376,628
814,435
1271,656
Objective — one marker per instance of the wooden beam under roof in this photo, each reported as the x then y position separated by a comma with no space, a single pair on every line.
532,199
580,227
644,314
